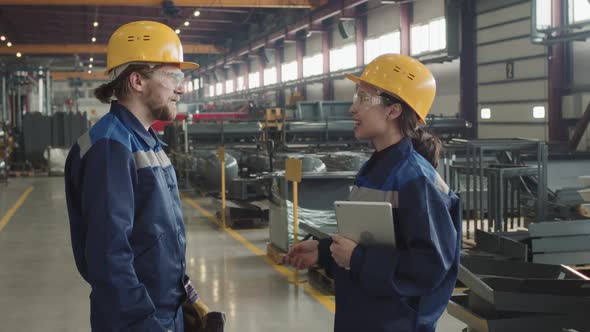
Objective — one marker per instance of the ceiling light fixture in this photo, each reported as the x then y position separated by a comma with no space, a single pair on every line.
95,24
18,55
197,13
9,44
177,31
94,39
2,38
90,72
186,23
91,59
90,66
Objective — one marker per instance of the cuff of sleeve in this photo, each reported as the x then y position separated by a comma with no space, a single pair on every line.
324,255
356,261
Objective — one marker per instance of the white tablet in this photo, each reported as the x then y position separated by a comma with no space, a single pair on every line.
367,223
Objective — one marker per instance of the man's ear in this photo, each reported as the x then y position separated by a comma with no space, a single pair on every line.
136,82
394,111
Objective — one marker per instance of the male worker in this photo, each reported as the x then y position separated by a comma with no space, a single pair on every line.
125,214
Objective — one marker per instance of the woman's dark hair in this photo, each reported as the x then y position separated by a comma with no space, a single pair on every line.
120,86
426,144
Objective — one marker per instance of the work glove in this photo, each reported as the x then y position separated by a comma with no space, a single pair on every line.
197,316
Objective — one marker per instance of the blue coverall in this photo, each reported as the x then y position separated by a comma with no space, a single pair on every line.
407,288
126,226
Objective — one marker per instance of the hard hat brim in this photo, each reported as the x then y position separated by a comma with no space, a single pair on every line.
188,65
359,80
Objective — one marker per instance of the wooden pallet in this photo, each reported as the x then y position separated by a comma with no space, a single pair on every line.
275,253
318,279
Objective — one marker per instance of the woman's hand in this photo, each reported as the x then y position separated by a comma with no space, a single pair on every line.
342,249
304,255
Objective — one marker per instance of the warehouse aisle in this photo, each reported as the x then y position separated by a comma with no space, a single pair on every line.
42,291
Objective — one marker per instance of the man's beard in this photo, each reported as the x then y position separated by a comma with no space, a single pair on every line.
160,111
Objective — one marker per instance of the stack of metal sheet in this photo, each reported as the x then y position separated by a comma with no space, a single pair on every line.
561,242
515,296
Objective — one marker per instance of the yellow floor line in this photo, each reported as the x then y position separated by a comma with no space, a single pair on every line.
13,209
326,300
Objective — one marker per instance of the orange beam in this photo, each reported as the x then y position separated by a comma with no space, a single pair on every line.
27,49
181,3
66,75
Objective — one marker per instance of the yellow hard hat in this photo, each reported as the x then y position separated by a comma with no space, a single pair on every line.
403,77
145,41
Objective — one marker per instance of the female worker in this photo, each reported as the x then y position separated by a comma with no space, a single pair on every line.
406,288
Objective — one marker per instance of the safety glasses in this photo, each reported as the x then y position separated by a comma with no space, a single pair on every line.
364,99
170,79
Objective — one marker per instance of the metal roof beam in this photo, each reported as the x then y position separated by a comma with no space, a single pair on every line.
29,49
180,3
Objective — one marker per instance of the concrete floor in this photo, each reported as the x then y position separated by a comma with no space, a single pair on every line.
41,290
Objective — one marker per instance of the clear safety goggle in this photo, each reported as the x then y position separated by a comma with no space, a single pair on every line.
170,79
362,98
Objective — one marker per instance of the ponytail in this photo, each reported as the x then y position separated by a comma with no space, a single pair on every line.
120,86
104,93
427,145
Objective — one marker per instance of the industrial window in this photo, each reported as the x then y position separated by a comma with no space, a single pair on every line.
429,37
240,86
219,89
254,80
190,86
343,58
389,43
543,14
270,76
579,10
289,71
313,65
211,90
196,84
229,86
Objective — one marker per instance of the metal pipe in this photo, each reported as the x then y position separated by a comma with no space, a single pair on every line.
4,99
581,127
19,112
48,93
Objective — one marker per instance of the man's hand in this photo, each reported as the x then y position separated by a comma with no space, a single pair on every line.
342,249
304,255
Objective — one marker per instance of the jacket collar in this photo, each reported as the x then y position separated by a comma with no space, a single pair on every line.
130,121
386,162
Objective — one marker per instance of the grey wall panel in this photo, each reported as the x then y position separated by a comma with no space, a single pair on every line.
521,69
486,5
338,41
344,90
508,50
504,31
513,112
447,105
581,64
513,130
290,52
426,10
382,20
447,76
315,92
313,44
254,65
513,91
502,15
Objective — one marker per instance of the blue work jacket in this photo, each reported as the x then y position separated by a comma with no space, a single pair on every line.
126,226
406,288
